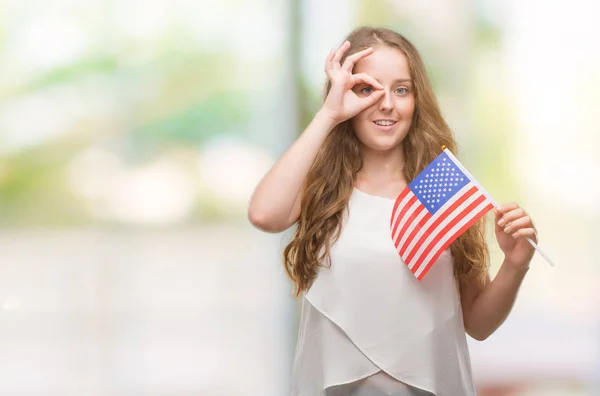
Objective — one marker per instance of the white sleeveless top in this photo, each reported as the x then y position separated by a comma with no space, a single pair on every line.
368,317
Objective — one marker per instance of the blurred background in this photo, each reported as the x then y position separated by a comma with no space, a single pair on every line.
132,135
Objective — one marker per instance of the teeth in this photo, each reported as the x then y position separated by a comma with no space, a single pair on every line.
385,123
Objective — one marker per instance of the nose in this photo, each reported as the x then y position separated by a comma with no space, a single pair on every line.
386,101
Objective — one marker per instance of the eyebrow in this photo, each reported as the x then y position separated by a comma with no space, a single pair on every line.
399,80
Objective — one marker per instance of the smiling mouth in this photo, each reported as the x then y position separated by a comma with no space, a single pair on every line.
384,123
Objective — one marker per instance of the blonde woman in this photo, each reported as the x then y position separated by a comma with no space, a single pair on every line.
368,326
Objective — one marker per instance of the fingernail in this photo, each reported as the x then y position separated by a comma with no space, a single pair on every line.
507,229
501,222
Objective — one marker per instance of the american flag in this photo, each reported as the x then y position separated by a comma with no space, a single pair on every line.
441,203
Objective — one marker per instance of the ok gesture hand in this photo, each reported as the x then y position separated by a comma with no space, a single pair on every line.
342,102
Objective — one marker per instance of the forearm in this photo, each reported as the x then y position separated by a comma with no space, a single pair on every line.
493,304
276,194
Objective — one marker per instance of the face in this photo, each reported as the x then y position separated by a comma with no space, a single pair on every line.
384,125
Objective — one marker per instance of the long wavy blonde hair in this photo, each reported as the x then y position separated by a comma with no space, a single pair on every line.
332,177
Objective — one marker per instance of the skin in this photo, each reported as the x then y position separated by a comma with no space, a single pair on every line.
375,84
381,150
368,86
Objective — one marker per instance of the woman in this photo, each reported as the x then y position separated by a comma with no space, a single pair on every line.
368,327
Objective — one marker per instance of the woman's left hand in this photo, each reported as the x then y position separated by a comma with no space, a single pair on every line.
513,227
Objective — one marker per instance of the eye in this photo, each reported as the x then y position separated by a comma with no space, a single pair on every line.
402,91
366,90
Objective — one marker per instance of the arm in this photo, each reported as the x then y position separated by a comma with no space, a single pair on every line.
275,204
486,306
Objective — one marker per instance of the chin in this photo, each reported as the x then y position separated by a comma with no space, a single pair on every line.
383,143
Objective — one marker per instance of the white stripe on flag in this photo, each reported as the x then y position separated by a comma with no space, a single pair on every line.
464,170
439,213
412,226
451,216
409,211
452,232
408,196
412,208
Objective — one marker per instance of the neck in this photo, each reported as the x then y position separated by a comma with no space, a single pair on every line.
382,168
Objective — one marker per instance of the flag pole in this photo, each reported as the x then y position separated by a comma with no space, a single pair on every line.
466,172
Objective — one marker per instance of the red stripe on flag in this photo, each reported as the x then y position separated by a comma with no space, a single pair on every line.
439,220
456,234
440,234
415,231
409,221
403,211
398,200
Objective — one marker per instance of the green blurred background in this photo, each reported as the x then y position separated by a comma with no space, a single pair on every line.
132,134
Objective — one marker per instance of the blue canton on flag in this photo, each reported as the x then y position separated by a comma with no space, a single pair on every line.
441,203
438,182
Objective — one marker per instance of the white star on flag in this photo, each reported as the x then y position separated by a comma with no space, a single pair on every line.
422,228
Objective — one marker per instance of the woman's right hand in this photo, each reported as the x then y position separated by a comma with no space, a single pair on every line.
342,102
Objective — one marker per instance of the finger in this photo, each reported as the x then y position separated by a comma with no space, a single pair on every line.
506,207
511,216
329,59
372,99
522,222
526,233
339,53
365,78
352,59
